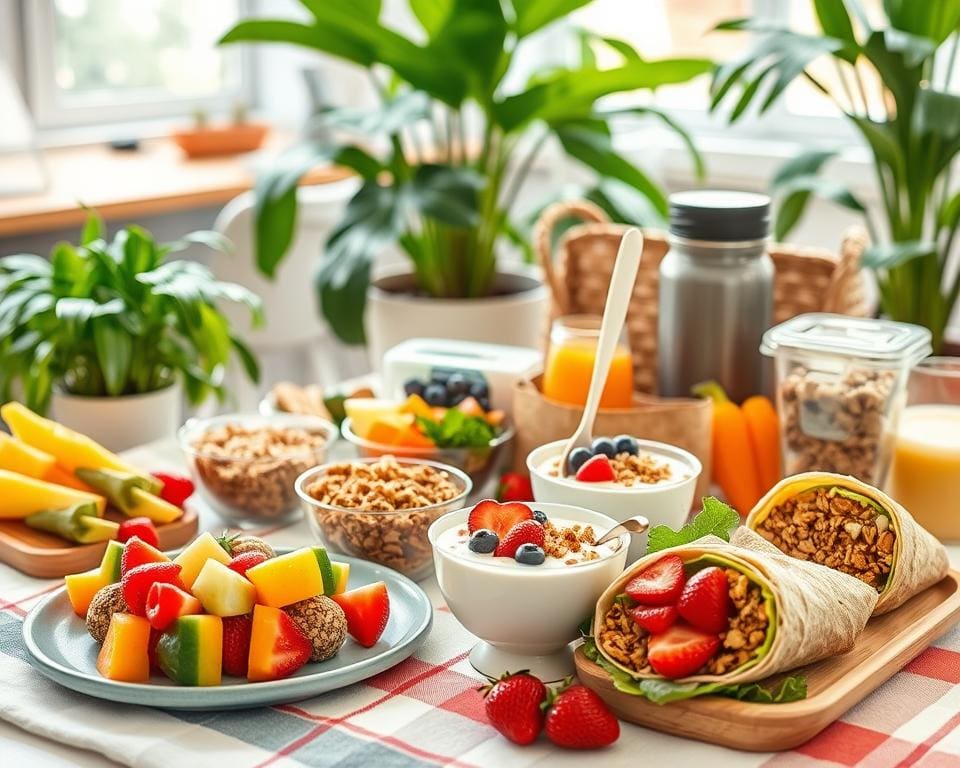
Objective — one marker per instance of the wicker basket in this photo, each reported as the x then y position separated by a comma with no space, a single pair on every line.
805,280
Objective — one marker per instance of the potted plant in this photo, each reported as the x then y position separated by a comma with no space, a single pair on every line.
443,158
109,333
892,83
231,138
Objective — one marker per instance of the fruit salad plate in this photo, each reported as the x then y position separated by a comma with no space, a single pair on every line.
60,648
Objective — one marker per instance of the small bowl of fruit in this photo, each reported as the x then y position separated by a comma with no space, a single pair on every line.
619,476
451,423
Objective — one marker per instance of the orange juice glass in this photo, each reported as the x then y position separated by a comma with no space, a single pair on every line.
573,350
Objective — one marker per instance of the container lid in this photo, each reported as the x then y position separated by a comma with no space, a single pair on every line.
719,214
882,341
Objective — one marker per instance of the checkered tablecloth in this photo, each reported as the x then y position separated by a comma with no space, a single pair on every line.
425,711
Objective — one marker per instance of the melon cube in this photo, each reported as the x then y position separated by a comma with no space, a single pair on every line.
190,651
287,578
223,592
110,564
341,575
195,556
81,587
125,653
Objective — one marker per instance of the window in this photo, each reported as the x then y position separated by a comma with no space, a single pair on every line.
97,61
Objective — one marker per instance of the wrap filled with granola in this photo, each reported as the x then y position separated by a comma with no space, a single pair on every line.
850,526
776,613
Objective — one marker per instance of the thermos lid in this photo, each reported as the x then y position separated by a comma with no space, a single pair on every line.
719,214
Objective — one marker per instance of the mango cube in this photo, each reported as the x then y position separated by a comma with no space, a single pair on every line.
194,557
287,578
81,587
223,592
190,652
125,653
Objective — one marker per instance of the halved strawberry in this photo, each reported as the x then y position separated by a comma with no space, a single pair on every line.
524,532
681,651
136,583
367,610
236,644
245,561
166,603
655,619
137,552
176,488
277,646
660,583
705,602
596,469
497,517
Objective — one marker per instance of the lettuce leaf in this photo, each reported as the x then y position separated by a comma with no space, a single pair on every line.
715,518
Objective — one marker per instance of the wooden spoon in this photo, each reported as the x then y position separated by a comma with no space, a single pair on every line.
614,316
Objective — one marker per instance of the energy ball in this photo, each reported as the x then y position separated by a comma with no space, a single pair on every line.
323,622
108,601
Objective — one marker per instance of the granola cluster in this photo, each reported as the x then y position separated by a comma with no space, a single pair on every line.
835,531
567,542
252,470
642,469
623,640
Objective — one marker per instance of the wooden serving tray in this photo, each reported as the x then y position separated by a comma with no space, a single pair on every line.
42,554
834,685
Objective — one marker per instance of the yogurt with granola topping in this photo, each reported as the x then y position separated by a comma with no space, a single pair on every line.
645,469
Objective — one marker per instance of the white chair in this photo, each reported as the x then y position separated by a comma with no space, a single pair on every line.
295,343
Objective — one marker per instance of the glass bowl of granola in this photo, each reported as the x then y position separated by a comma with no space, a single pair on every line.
380,509
245,465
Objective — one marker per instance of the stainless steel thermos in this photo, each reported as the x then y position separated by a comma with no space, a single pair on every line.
716,293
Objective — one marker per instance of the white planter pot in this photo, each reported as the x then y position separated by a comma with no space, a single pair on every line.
514,315
119,423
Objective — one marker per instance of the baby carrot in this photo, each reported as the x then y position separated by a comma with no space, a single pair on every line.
764,431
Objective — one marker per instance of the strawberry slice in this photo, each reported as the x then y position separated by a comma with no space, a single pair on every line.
141,527
705,601
596,469
681,651
524,532
660,583
136,583
655,620
367,610
497,517
277,646
137,552
245,561
176,488
166,603
236,644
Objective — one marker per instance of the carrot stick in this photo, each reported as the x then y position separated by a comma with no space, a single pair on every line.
734,465
764,431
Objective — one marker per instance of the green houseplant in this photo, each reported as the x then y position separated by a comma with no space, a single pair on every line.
445,154
892,84
105,319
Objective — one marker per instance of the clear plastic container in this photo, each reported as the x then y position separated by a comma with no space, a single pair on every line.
841,386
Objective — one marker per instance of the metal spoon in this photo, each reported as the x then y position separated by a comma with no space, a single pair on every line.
636,524
614,316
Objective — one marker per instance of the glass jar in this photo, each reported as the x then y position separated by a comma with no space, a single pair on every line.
841,386
716,293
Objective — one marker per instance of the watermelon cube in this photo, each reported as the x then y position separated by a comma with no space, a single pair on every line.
189,652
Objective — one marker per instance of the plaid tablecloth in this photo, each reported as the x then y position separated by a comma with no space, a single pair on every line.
425,711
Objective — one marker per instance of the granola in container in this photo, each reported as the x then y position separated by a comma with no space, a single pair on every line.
379,509
841,385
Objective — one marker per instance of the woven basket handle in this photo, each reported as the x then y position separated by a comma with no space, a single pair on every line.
851,250
543,238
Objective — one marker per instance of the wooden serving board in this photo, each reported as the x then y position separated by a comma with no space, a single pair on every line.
42,554
834,685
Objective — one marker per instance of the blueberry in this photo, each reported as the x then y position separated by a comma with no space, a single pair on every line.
439,376
540,517
605,446
484,403
435,394
479,389
457,399
627,444
413,387
483,541
578,457
530,554
457,384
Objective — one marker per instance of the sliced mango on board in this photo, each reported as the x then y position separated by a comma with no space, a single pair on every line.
22,496
18,456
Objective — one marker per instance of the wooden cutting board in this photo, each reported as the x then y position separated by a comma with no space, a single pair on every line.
834,685
47,556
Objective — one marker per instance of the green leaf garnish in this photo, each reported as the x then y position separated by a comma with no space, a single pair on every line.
716,518
457,430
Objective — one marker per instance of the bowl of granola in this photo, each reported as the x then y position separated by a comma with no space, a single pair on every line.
380,509
245,465
621,477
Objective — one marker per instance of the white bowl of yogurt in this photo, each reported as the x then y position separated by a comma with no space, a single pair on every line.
664,502
526,616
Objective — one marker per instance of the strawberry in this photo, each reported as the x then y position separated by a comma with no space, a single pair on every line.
704,602
577,718
142,528
138,552
660,583
176,488
244,561
499,518
166,603
137,581
655,620
524,532
514,487
367,610
681,651
513,706
596,469
236,644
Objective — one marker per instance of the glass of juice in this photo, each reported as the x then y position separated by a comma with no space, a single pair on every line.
925,476
573,349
